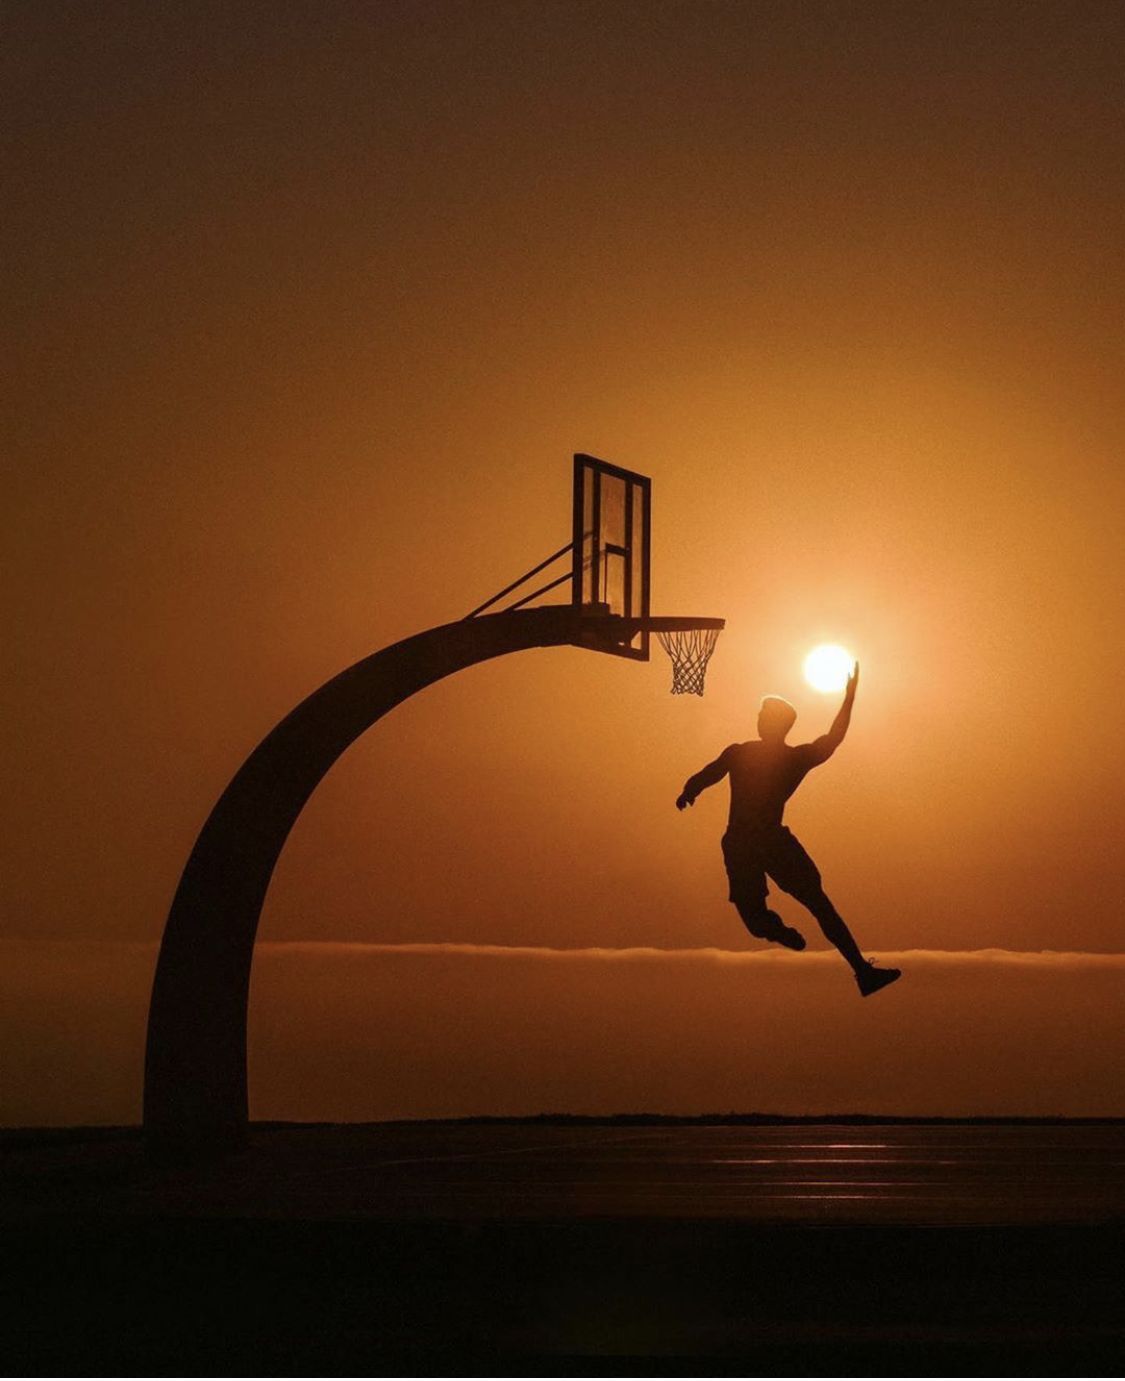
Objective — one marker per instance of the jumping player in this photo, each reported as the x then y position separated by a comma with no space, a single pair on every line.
764,773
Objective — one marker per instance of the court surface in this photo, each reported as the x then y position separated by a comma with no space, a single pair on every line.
537,1248
799,1174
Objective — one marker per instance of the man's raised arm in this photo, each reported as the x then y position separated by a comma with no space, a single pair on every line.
705,777
822,748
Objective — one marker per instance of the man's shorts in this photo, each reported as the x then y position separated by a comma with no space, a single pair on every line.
775,852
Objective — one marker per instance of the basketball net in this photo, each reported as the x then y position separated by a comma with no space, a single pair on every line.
690,650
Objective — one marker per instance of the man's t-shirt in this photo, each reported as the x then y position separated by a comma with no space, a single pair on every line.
763,776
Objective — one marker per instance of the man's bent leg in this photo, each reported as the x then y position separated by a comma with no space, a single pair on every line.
755,917
764,924
748,892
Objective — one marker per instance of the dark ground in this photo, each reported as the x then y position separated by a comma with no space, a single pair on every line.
584,1248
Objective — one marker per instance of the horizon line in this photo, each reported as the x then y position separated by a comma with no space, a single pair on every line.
484,949
609,953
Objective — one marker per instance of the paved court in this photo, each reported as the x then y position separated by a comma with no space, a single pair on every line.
823,1173
463,1249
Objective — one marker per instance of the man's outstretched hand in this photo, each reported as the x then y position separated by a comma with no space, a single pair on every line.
684,800
853,681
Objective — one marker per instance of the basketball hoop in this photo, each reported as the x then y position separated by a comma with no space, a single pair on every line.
690,650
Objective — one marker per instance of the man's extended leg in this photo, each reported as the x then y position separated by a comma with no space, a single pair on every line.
835,930
868,976
794,871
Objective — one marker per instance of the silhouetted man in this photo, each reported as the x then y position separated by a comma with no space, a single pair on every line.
764,773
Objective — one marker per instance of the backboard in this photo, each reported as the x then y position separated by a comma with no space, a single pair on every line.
609,580
610,549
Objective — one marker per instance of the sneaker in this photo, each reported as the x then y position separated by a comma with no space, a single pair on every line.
871,978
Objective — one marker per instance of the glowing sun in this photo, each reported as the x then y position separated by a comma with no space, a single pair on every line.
828,667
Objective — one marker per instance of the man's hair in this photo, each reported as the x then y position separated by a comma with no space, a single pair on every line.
776,717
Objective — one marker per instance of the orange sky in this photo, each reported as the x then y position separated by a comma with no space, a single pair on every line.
310,307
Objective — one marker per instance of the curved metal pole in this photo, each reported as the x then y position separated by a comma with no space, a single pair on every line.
195,1096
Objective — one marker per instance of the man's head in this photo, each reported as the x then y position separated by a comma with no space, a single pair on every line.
775,719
